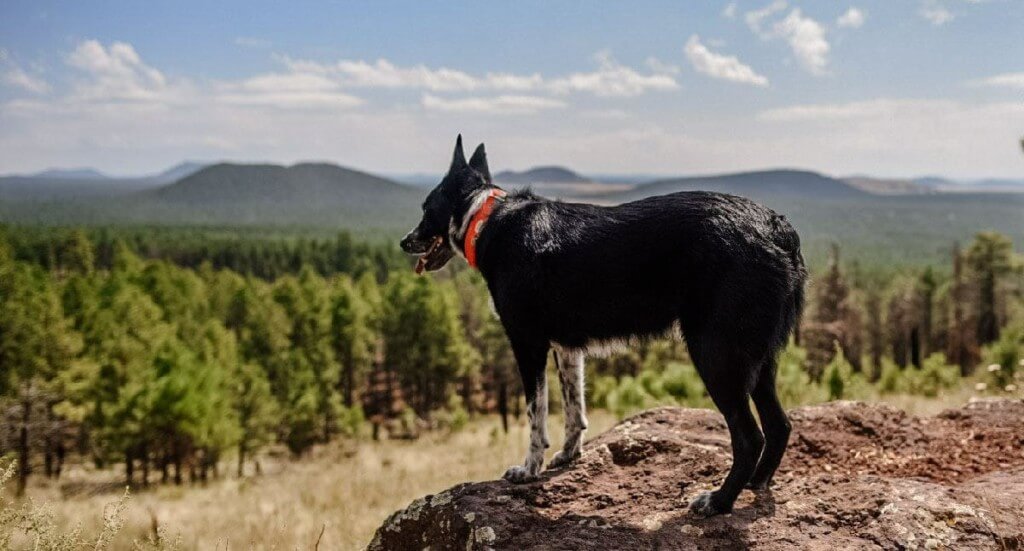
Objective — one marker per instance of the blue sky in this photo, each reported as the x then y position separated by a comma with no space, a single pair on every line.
890,88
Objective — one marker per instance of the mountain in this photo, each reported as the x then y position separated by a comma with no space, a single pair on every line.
888,186
304,195
35,189
887,229
179,171
934,182
58,184
71,174
991,185
762,184
540,175
985,185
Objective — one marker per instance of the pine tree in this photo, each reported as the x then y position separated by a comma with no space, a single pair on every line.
353,337
989,259
36,346
834,319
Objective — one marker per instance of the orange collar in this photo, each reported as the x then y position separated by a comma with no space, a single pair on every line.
475,224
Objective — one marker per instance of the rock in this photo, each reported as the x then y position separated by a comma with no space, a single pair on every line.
954,481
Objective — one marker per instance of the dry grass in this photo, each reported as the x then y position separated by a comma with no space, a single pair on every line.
346,490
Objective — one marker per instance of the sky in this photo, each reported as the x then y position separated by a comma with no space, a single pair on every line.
893,88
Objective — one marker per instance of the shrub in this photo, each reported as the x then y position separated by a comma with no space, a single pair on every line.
351,420
935,375
890,380
793,383
1003,357
34,523
683,383
629,396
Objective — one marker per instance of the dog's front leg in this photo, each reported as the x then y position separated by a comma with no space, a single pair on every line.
531,362
570,375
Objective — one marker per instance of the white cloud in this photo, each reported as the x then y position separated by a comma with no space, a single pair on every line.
900,136
17,77
609,79
115,73
385,74
730,11
501,105
612,79
806,37
721,66
935,13
1007,80
755,19
853,18
658,66
287,90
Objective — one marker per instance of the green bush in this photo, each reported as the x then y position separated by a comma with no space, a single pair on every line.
792,381
1002,358
629,396
682,383
351,420
890,381
934,376
601,387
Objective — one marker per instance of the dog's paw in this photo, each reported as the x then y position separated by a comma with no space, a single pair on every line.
562,459
518,474
704,506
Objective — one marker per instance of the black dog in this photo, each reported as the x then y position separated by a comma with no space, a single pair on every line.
577,277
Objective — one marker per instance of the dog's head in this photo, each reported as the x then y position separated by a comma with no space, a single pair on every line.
445,207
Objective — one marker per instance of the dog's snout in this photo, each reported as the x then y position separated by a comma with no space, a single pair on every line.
408,243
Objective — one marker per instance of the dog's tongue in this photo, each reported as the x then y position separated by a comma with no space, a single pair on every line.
421,263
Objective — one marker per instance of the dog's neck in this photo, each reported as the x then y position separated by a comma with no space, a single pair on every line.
475,202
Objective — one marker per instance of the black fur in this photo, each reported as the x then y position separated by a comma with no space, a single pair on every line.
728,270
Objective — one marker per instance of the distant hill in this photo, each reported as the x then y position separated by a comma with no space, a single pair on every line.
985,185
84,183
540,175
71,174
35,189
303,195
991,185
179,171
768,183
313,194
894,229
888,186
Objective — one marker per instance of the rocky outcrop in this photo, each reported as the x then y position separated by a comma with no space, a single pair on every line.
856,476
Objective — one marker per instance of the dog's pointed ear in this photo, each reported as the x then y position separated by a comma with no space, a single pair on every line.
459,158
478,162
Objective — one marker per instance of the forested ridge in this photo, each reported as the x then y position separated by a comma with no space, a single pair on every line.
177,353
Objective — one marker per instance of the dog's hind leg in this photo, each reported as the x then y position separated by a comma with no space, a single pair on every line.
725,379
532,360
775,424
570,376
